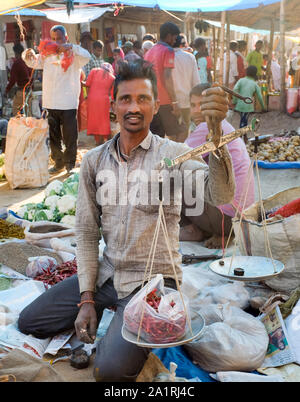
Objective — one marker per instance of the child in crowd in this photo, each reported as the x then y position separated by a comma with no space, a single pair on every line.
247,87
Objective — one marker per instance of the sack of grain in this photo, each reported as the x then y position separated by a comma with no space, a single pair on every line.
40,233
284,236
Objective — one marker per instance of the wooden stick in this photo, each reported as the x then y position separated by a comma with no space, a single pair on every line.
227,50
214,52
222,47
282,56
271,44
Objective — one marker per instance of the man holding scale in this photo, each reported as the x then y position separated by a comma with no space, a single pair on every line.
117,182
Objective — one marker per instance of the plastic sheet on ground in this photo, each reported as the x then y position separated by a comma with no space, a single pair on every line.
186,368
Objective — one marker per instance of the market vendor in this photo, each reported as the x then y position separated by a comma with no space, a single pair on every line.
61,90
215,223
127,225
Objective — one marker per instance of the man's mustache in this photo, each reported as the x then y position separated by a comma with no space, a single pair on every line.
128,115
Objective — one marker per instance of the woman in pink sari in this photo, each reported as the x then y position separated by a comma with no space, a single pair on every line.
118,56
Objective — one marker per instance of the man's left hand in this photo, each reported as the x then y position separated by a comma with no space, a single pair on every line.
214,103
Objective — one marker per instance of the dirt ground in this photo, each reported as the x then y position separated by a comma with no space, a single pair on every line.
270,122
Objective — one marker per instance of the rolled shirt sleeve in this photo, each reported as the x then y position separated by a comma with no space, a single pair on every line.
88,222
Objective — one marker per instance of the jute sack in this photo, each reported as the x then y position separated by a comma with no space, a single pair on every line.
27,152
284,237
41,233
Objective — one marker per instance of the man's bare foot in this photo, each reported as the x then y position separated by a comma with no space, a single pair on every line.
215,242
190,233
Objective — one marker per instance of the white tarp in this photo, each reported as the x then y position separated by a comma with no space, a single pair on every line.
77,16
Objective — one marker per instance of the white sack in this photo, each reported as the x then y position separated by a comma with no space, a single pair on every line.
232,341
27,152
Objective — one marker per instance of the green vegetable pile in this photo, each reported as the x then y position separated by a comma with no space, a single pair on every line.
59,204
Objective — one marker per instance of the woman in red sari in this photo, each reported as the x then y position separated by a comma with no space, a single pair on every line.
100,88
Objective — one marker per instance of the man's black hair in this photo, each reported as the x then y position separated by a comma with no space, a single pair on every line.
60,28
148,36
135,70
168,28
18,48
242,44
180,40
198,45
251,72
198,42
98,43
137,45
198,89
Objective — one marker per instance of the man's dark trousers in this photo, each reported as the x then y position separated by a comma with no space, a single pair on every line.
63,129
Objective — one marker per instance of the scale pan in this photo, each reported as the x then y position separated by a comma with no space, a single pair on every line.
255,268
197,324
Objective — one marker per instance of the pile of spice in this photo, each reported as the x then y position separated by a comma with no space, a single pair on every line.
156,328
61,272
8,230
15,255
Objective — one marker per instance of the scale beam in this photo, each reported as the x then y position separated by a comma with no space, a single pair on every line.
210,146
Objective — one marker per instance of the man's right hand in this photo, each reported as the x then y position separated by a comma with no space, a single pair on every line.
86,323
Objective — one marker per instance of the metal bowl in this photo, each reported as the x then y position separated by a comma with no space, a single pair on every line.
255,268
197,324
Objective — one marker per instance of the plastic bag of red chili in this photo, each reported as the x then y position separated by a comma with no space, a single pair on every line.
162,313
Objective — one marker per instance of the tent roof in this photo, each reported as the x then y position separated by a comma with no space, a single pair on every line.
194,5
10,5
260,18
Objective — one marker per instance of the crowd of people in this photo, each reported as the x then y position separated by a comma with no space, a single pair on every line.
178,65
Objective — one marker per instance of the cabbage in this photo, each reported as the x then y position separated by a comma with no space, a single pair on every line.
27,211
54,188
72,178
71,188
68,220
51,202
67,205
43,215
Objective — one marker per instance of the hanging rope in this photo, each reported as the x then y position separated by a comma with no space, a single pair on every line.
241,212
161,223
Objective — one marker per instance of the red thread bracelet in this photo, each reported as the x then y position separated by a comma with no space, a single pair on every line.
85,301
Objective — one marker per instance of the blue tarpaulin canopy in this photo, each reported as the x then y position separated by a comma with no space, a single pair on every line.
195,5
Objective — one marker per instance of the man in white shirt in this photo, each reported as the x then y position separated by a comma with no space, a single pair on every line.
185,76
233,66
61,90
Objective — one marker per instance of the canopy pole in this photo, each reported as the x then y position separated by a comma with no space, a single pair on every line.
282,56
270,55
214,51
221,72
227,49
